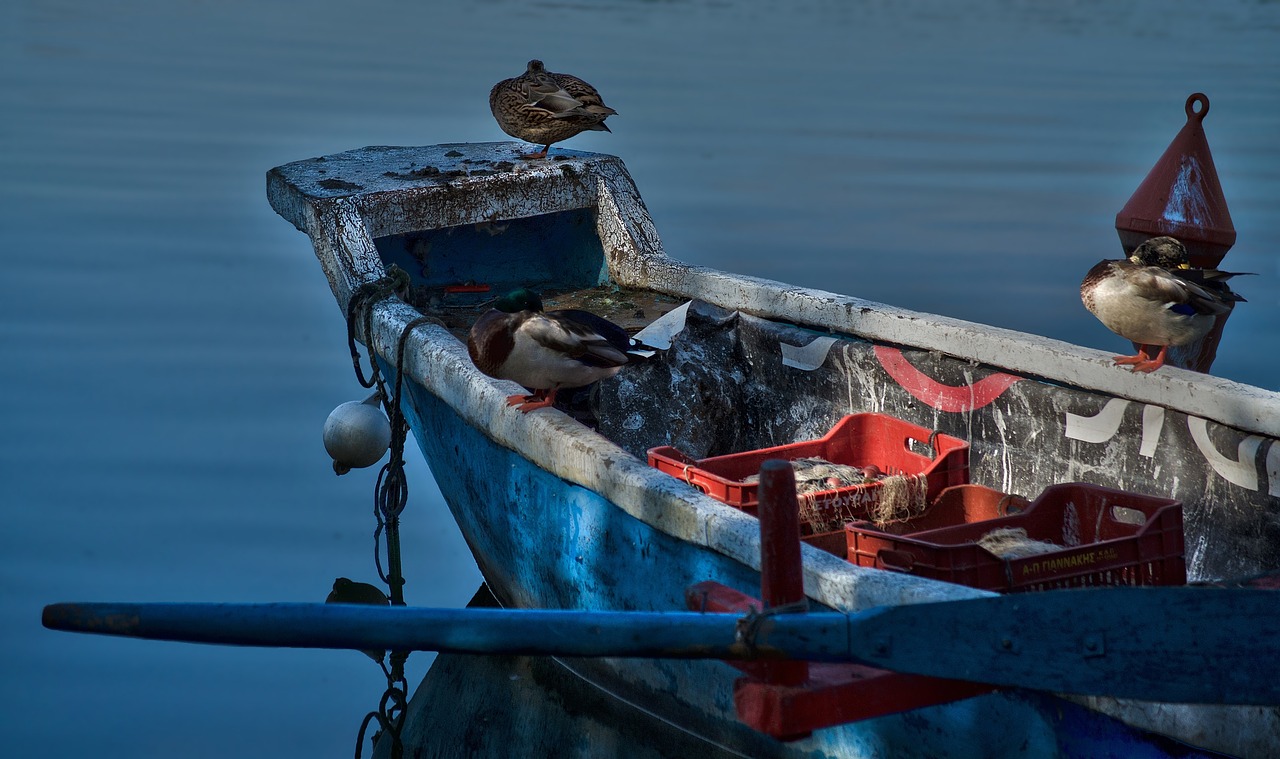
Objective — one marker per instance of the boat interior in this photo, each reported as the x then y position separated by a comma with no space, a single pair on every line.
726,382
730,381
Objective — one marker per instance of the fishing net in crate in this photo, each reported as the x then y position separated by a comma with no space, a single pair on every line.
831,494
868,466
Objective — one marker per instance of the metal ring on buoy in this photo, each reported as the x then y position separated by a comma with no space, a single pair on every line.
1203,100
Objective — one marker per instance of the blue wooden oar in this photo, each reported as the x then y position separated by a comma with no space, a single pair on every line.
1184,645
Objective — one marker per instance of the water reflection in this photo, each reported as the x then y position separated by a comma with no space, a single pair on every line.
484,705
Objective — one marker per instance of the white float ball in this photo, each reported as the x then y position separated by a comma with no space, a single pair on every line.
357,434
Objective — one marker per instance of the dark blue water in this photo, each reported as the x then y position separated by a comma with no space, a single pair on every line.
171,348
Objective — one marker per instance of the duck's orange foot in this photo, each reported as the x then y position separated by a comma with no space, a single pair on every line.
1147,367
1142,362
536,156
1140,357
527,403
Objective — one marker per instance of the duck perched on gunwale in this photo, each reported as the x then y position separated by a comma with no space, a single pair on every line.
544,107
1155,299
517,341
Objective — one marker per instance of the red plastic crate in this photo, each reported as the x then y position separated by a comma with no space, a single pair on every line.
960,504
1111,537
895,446
955,505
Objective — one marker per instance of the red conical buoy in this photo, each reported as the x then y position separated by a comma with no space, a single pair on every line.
1182,198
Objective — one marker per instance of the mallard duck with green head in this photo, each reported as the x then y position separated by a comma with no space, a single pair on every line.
544,107
1156,299
546,351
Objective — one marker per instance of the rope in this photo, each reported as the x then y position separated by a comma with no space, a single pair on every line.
391,491
361,302
748,627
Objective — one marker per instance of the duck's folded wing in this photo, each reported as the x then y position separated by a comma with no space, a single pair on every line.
573,339
547,95
1178,292
584,93
1211,296
1216,281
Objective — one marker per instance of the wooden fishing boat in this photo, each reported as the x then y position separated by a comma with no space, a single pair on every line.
564,510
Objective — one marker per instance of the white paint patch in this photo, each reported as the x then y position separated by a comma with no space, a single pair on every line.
1187,204
807,357
1152,424
1098,428
1071,525
846,368
662,331
1273,470
1006,470
1239,471
1196,550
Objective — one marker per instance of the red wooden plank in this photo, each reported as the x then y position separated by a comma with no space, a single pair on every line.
781,575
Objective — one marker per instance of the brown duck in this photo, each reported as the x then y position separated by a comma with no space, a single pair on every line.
544,107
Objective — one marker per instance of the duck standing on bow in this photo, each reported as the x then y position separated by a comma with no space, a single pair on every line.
1155,299
544,107
517,341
